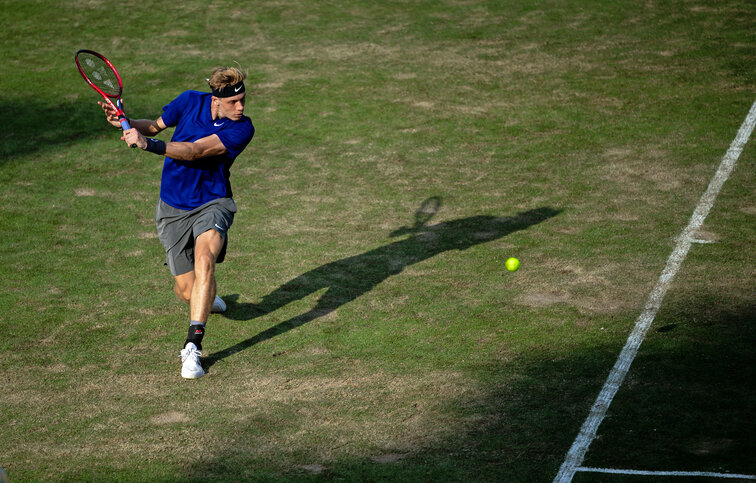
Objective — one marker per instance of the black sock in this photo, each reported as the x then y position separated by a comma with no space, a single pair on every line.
196,333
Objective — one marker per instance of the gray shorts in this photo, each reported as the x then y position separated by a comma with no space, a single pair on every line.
178,229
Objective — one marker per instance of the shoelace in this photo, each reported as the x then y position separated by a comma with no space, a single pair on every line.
187,353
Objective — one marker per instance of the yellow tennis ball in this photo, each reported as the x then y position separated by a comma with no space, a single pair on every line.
512,264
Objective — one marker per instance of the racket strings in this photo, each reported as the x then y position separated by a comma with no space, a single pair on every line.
100,74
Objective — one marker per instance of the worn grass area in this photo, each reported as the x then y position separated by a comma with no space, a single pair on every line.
404,151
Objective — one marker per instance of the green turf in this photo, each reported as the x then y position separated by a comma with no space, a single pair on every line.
366,338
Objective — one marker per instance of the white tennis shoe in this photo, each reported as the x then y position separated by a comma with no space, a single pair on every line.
218,305
190,360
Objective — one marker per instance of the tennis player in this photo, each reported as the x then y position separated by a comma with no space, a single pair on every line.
196,208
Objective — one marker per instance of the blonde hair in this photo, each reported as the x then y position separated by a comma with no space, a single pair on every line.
225,76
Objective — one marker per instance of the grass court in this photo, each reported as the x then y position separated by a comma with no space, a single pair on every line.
404,150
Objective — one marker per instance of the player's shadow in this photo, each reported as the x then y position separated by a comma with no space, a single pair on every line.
348,278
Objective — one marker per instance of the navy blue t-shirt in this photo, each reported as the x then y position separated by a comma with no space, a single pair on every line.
189,184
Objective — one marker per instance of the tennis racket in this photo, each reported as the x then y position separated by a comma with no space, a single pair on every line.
103,77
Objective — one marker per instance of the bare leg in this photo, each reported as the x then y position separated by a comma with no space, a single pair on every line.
184,285
198,288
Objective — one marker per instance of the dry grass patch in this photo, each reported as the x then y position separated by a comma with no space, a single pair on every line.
362,413
170,417
594,290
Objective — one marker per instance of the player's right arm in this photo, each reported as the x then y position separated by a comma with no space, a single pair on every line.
147,127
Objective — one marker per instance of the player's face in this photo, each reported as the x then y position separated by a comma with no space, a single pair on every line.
232,107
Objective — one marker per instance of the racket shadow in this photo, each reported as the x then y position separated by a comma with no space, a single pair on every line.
351,277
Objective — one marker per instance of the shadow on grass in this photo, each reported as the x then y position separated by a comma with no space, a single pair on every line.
33,125
687,404
351,277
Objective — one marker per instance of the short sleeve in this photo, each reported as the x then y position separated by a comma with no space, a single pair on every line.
172,112
236,136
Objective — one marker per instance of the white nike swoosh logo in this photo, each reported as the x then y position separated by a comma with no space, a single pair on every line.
217,125
237,89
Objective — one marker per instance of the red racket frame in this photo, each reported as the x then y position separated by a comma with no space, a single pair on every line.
117,106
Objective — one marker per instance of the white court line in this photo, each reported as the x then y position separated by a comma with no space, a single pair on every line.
587,434
667,473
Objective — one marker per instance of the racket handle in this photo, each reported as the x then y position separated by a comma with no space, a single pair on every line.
122,119
125,125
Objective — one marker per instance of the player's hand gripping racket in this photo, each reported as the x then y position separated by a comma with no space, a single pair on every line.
103,77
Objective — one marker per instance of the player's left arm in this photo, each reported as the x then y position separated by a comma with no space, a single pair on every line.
201,148
184,151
